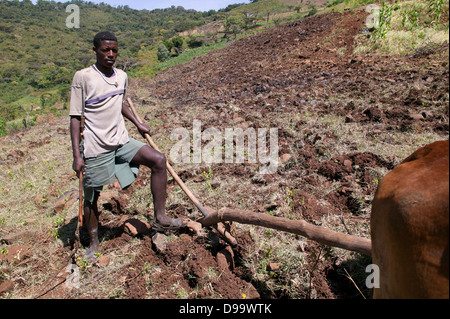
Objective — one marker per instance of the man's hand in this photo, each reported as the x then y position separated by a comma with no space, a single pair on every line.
78,165
143,129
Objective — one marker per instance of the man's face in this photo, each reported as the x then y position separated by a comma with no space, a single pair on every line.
107,53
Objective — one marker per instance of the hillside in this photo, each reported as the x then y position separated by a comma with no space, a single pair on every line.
40,54
344,120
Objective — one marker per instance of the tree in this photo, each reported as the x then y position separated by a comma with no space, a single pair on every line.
249,19
178,45
53,75
163,54
234,25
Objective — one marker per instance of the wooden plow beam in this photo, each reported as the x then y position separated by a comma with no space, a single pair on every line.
300,227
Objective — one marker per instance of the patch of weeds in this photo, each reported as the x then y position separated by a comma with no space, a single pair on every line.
117,293
436,9
55,233
83,263
58,221
407,26
291,194
384,22
4,251
207,176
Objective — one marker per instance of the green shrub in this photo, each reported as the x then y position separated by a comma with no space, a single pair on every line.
163,53
3,130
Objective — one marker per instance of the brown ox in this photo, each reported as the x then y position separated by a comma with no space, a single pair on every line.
410,230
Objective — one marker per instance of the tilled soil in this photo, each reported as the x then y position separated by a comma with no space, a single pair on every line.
295,68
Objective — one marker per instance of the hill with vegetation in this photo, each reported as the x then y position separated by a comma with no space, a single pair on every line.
40,53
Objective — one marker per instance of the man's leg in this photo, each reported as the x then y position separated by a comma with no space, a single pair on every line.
91,217
156,161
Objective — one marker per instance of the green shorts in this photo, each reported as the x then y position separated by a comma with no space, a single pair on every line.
105,168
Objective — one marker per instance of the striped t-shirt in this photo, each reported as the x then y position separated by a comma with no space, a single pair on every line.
102,98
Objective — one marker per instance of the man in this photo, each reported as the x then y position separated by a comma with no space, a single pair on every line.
106,151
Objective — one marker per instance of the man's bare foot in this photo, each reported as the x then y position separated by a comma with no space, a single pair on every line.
167,223
94,247
91,256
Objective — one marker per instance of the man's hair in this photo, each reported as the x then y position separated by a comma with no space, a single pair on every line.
102,36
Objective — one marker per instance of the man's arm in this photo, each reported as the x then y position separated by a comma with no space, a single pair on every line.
75,126
142,127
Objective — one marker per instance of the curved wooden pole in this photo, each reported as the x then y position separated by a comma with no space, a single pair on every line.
300,227
80,201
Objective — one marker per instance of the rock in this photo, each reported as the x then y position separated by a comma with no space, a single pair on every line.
273,267
194,227
284,158
66,200
348,163
244,125
38,199
103,261
159,242
135,227
417,117
376,131
25,236
215,185
374,114
6,287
